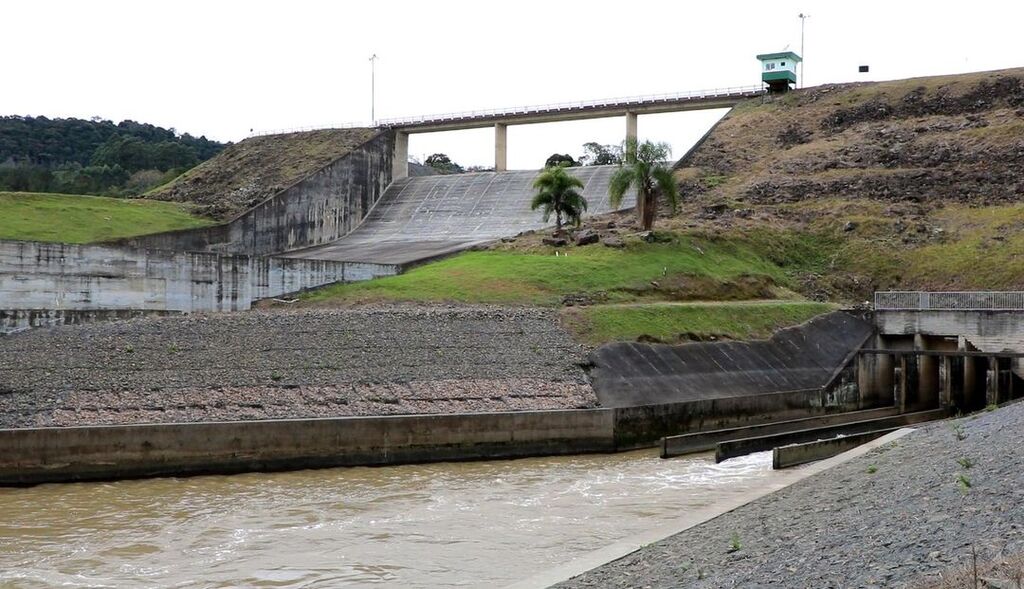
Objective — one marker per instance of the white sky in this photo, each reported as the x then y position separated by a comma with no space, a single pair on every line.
221,68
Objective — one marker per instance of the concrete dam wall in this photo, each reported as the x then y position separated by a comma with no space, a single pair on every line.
52,283
316,210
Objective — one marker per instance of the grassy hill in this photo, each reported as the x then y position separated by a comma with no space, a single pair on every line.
83,219
248,172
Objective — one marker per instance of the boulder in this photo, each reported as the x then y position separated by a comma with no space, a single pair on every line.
587,237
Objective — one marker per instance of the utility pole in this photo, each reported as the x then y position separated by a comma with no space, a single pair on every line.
373,89
803,18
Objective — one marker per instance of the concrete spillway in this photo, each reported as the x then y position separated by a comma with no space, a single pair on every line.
419,218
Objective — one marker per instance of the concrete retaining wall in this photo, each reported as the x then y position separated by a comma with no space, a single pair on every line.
637,427
15,320
989,331
806,357
319,209
31,456
54,283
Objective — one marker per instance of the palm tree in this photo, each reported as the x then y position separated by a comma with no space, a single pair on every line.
643,168
557,193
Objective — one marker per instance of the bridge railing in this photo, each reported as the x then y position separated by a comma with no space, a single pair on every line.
947,301
737,91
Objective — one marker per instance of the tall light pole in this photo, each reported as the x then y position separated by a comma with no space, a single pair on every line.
373,88
803,18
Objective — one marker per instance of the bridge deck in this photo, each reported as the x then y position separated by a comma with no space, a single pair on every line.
695,100
424,217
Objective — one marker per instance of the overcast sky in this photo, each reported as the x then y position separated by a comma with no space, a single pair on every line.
220,68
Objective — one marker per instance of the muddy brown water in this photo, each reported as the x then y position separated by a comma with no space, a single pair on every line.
476,524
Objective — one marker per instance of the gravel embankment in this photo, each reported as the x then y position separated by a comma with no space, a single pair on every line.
262,365
893,517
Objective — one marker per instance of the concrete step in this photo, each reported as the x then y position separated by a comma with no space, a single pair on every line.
704,441
741,447
797,454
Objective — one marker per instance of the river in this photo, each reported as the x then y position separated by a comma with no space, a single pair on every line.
472,524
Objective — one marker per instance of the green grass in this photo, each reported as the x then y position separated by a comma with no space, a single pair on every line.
683,268
674,322
83,219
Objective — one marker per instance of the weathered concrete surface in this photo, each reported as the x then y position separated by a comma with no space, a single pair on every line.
318,209
425,217
49,283
908,518
806,357
33,456
273,365
707,440
988,331
797,454
15,320
734,448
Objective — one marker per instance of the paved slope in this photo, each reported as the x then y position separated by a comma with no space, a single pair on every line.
423,217
798,358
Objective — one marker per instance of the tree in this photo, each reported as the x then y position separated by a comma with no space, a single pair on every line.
595,154
557,193
443,164
557,159
643,168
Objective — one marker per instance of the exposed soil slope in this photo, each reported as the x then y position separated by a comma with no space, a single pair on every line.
246,173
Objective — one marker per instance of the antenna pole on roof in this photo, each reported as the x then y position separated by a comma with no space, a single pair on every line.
803,18
373,89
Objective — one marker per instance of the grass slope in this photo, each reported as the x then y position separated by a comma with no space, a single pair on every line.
83,219
680,322
685,268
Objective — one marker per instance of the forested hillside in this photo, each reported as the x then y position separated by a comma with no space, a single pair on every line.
75,156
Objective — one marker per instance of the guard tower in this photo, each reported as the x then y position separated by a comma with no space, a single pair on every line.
778,70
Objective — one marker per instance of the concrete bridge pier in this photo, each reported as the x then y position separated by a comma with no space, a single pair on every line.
400,159
631,126
500,147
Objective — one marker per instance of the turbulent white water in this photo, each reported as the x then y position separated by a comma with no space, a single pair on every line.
438,525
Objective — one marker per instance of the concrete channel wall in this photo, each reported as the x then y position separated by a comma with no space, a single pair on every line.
38,455
43,284
31,456
319,209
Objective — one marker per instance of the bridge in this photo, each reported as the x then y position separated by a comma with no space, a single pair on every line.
500,119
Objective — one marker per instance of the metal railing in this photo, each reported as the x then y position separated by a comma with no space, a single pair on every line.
735,91
948,301
650,99
349,125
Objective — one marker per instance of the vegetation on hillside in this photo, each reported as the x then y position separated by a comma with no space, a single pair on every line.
250,171
683,322
75,156
643,169
82,219
558,193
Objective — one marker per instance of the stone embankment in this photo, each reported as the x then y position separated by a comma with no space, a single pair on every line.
903,514
264,365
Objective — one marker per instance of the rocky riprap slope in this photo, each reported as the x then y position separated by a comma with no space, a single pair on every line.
291,364
897,516
250,171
